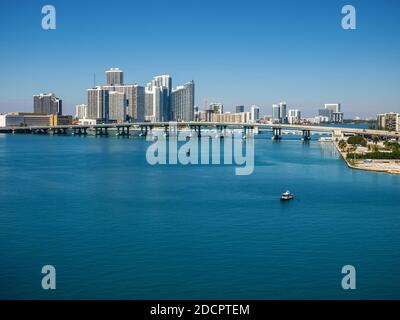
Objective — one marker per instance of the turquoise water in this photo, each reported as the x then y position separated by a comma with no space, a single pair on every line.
116,227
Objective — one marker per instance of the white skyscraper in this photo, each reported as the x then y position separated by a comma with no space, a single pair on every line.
156,104
81,111
255,114
294,116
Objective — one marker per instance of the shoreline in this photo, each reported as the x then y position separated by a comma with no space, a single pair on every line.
372,167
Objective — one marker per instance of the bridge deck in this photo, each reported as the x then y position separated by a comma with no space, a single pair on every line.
208,125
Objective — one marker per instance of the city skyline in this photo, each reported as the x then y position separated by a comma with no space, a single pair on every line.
247,58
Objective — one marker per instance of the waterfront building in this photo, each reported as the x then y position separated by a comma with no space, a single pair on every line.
239,109
98,104
294,116
11,120
23,119
59,120
325,115
337,117
47,103
81,111
389,121
115,76
283,112
254,114
331,113
279,112
156,98
266,119
182,103
87,122
276,113
117,107
335,107
135,99
164,83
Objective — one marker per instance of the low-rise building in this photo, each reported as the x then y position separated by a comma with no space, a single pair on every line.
87,122
56,120
24,119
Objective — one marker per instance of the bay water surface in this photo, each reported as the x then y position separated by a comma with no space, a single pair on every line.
116,227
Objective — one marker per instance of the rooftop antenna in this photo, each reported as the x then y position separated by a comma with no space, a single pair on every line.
94,80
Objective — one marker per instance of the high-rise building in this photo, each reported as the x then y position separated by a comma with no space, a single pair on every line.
255,114
389,121
239,109
164,81
337,117
98,104
294,116
182,103
115,76
134,95
136,108
331,113
283,112
335,107
325,115
117,106
276,113
158,99
81,111
47,104
156,103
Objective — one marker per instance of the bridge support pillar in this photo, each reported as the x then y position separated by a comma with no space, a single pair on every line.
276,133
199,131
101,131
306,135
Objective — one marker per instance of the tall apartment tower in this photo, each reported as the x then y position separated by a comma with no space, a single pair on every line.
182,103
283,112
115,76
47,103
164,81
137,108
134,95
98,104
81,111
276,113
157,100
117,106
254,114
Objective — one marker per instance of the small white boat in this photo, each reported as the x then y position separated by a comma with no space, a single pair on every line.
286,196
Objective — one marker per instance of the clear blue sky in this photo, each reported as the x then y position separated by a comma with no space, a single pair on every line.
238,52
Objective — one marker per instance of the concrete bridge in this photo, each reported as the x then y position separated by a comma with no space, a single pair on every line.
124,129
